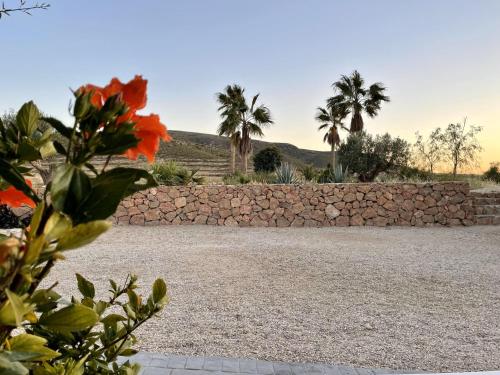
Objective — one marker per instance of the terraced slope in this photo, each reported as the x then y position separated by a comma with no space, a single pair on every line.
209,154
184,142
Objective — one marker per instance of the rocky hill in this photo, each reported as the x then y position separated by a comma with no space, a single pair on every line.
190,145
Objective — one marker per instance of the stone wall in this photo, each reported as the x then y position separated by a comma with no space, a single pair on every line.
301,205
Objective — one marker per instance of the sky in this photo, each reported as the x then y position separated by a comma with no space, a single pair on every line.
440,59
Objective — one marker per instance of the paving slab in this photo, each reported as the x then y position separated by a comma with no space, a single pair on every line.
155,364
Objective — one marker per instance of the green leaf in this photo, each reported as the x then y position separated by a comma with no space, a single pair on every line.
27,118
85,287
10,174
112,319
56,226
28,152
159,290
13,311
36,218
58,126
109,188
69,187
60,185
72,318
35,248
32,345
8,367
83,234
133,299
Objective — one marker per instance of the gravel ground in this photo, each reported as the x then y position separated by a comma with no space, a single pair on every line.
401,298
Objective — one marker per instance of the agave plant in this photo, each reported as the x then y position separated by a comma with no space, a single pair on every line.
286,174
334,175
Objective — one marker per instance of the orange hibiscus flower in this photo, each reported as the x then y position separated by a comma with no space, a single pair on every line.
15,198
149,129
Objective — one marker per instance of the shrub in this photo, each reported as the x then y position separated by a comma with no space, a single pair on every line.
309,173
169,173
333,175
236,179
493,174
369,156
42,332
286,174
267,160
414,174
262,177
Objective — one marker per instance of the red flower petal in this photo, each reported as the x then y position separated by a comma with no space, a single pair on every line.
15,198
149,130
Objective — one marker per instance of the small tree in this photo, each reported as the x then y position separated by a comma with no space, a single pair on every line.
429,151
267,160
460,144
367,156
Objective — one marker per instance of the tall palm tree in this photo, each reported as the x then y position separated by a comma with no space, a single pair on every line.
229,101
352,91
241,120
332,119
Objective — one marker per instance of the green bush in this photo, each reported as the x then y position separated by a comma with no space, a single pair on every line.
236,179
309,173
169,173
493,174
267,160
286,174
369,156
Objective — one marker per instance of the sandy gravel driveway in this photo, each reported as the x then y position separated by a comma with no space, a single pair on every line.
402,298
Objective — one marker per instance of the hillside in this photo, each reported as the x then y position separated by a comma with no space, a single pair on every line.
187,145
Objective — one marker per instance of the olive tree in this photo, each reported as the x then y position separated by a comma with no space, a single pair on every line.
368,156
460,144
429,152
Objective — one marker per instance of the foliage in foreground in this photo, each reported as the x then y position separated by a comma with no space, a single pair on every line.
169,173
41,332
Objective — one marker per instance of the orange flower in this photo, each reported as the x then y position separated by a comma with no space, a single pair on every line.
133,93
15,198
149,130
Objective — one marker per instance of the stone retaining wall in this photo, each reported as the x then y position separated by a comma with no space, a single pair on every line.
377,204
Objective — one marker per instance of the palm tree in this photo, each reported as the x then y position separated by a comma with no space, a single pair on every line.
351,90
229,100
331,119
240,121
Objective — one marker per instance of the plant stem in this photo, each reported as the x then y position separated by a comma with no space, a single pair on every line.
106,163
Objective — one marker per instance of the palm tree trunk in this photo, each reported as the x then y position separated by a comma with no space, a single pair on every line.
233,158
245,163
334,156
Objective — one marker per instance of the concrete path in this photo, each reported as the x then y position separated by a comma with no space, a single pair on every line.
161,364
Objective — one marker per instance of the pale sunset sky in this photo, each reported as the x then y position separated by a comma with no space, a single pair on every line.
440,59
